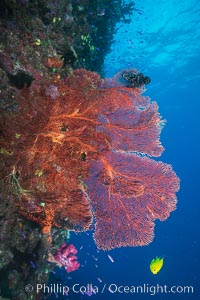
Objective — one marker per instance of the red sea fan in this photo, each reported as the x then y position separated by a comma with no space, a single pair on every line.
72,151
132,192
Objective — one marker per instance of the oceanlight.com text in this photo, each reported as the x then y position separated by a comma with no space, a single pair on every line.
150,289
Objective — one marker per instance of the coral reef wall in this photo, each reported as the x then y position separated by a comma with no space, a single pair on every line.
40,39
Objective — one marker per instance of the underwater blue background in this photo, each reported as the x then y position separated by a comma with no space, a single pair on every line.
162,40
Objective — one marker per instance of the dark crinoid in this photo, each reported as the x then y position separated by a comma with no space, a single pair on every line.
135,79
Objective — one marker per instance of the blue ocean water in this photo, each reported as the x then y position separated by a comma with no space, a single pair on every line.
162,40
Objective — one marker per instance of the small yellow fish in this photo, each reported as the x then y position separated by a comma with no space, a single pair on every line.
156,264
37,42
